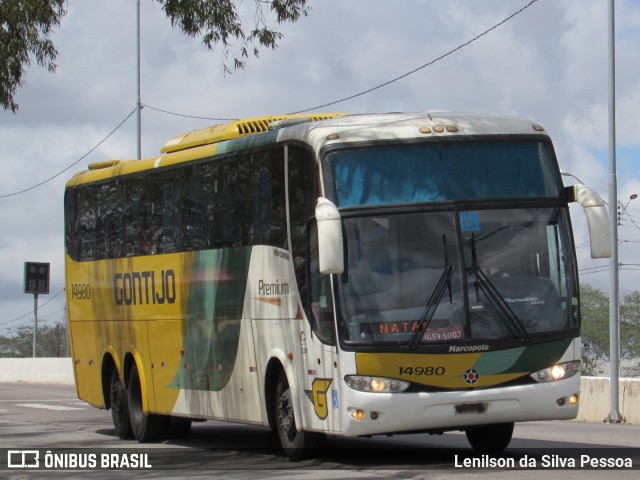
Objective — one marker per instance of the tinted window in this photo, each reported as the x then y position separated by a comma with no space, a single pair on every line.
236,200
444,171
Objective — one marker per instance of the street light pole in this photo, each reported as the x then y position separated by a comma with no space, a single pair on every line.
138,99
614,281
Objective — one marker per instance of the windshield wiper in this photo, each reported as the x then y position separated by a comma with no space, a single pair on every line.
489,289
444,282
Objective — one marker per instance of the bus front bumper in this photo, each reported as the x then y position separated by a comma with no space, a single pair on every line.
381,413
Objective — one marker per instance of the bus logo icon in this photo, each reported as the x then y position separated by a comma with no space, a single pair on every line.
23,459
471,376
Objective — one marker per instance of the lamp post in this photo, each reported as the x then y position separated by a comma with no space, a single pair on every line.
614,278
633,196
138,99
567,174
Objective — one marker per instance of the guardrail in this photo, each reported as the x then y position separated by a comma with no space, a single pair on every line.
594,391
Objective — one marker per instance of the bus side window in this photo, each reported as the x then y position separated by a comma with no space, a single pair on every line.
194,208
269,218
234,208
134,219
109,221
321,301
86,225
170,238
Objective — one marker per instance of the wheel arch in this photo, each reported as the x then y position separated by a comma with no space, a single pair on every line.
278,362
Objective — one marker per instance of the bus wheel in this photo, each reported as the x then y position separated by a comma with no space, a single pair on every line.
119,407
146,428
490,437
295,443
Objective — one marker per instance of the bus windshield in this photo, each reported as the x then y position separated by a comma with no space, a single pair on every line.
428,265
442,171
494,274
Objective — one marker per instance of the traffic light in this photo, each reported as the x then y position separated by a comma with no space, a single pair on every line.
36,277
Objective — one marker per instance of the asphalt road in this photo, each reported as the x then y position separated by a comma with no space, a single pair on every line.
48,421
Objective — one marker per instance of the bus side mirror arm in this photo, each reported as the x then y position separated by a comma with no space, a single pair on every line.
597,218
330,246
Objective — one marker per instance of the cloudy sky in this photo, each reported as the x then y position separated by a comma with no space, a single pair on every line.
548,63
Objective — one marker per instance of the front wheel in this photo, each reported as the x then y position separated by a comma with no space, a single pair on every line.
297,444
146,427
494,437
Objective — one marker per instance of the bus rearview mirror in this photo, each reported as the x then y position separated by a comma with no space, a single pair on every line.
597,218
330,246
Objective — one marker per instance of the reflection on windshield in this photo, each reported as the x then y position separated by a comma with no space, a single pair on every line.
455,276
440,172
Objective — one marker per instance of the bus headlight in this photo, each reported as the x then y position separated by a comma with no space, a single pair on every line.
376,384
557,372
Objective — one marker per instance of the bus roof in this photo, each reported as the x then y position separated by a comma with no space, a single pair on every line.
317,130
236,129
389,126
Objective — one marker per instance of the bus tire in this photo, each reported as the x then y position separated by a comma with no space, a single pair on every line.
145,427
494,437
119,407
296,444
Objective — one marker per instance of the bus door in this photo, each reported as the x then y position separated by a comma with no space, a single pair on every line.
316,333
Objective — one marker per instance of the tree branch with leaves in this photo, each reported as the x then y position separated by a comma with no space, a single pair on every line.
24,35
26,27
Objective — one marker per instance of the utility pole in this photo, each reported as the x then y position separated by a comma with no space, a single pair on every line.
614,276
138,99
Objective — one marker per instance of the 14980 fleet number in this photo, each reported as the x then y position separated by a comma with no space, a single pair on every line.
421,370
80,291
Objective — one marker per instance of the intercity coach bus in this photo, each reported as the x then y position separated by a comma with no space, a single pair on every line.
331,274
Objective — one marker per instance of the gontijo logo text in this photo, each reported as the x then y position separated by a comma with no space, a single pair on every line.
144,288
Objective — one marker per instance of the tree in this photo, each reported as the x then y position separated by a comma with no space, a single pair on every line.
630,331
25,27
51,342
24,31
594,307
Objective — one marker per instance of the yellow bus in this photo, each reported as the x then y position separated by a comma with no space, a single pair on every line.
331,274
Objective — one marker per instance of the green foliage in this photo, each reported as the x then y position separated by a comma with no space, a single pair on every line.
594,307
26,25
630,325
595,330
51,342
219,22
24,34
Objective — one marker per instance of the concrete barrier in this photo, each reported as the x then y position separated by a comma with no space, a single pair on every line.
594,391
595,399
37,370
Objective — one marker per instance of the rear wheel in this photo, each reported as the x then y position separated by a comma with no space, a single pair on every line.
494,437
119,407
297,444
146,427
